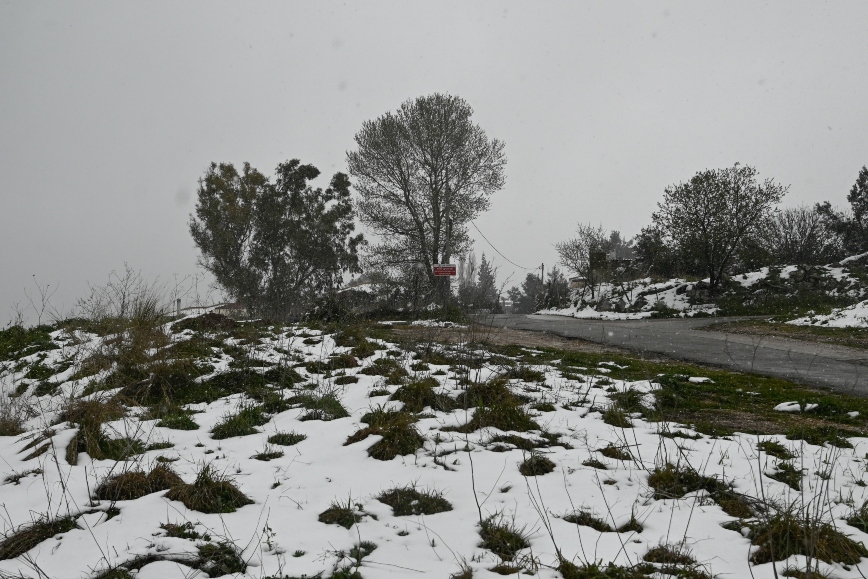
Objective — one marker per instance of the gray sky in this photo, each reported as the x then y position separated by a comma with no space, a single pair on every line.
109,112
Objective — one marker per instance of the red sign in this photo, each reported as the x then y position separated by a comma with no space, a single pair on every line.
445,269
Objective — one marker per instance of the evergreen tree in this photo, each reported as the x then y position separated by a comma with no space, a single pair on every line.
486,285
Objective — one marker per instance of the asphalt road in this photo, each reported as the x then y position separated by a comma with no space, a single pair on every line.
835,367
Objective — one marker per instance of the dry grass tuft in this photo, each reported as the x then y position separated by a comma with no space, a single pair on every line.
211,492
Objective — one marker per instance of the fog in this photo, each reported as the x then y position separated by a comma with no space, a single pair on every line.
110,112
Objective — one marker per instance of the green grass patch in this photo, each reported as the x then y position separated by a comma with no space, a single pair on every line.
342,514
399,434
536,464
788,533
240,423
132,485
17,341
502,537
788,474
286,438
419,394
408,500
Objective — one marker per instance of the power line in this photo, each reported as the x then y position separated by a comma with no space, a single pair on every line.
498,251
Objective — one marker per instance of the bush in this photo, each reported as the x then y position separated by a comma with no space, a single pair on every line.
209,493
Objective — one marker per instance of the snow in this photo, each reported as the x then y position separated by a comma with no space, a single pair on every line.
855,316
290,492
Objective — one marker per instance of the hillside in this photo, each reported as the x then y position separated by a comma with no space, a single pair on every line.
207,447
789,289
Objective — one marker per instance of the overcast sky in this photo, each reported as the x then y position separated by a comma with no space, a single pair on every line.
110,112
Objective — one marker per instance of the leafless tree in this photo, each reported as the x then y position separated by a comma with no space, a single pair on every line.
799,235
423,173
580,254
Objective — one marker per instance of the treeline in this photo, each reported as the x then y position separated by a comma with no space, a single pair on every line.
280,246
718,223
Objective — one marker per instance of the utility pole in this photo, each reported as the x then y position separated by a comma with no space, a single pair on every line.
542,272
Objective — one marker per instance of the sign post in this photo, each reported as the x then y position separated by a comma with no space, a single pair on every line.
445,269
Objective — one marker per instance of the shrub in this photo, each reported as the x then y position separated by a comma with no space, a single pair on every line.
408,500
24,538
241,423
341,380
286,438
535,465
132,485
209,493
502,537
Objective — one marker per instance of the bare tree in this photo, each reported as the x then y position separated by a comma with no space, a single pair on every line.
799,235
581,253
423,173
710,215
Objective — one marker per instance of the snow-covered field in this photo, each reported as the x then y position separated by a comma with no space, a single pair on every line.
280,534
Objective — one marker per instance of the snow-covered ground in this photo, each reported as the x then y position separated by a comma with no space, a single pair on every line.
855,316
279,534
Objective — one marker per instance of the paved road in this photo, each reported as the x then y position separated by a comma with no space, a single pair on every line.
836,367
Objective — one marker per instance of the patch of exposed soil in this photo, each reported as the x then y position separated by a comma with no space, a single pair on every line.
502,337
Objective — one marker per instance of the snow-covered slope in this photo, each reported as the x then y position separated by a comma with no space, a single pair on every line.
281,534
641,298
